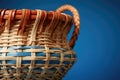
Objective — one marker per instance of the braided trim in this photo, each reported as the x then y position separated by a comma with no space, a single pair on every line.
76,22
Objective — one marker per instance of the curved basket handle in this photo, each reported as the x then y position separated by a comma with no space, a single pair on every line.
76,22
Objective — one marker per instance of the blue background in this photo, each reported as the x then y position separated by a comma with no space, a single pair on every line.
98,46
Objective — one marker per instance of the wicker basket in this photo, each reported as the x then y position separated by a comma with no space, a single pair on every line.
34,45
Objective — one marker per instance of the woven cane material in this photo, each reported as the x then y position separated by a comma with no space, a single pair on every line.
34,45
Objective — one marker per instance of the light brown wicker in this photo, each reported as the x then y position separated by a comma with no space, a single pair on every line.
34,45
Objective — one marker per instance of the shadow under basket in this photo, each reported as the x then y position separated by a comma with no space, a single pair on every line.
34,45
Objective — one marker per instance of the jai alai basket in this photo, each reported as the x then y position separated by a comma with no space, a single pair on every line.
34,45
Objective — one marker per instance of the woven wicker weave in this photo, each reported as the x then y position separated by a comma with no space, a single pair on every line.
34,45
